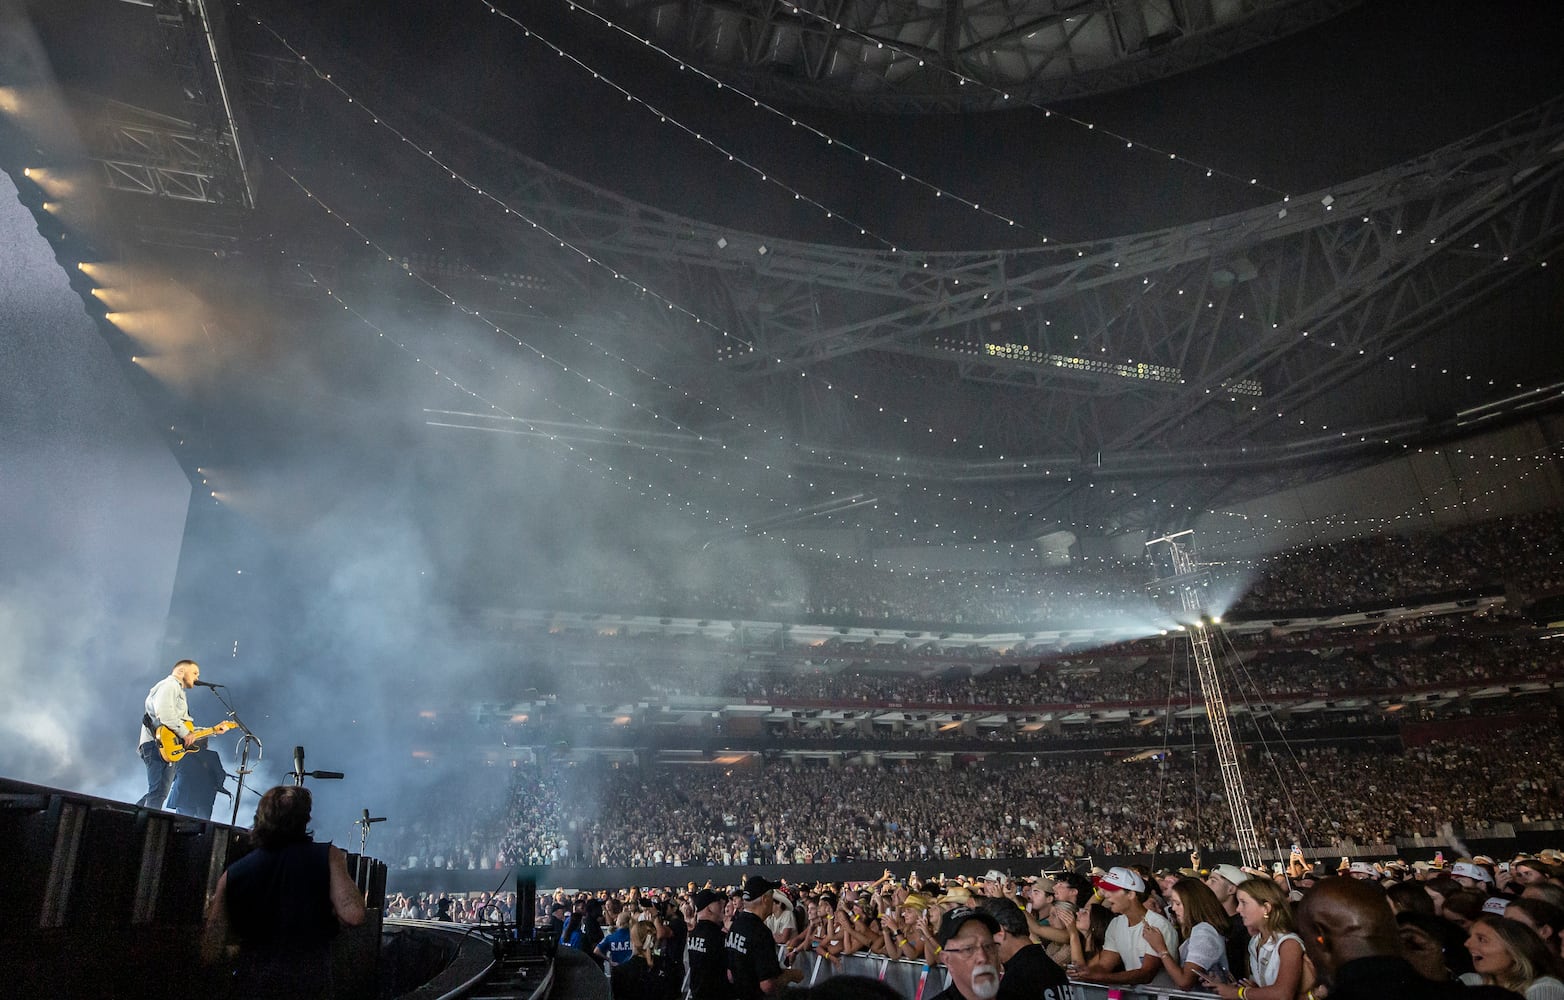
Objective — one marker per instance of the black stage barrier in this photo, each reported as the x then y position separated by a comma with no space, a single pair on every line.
105,899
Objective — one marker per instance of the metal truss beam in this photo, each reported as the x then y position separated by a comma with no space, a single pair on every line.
1223,304
195,38
1220,304
1198,298
892,55
1164,296
166,160
1214,311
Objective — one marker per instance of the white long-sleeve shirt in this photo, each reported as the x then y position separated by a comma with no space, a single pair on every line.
166,705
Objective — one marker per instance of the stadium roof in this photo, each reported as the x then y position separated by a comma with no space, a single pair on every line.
948,55
718,278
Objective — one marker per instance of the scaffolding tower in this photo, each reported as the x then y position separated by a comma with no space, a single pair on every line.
1187,583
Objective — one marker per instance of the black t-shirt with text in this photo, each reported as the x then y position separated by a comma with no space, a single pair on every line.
707,956
752,955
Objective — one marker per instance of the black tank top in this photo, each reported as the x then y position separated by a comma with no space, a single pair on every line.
280,900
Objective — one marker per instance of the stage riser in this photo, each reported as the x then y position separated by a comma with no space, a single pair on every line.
103,897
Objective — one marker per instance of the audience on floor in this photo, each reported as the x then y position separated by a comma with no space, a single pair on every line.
1300,930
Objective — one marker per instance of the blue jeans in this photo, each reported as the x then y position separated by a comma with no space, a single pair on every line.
160,775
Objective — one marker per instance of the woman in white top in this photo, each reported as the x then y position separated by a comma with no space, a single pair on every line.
1203,925
1275,951
1507,953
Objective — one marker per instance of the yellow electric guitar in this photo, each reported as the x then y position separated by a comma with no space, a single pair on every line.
172,745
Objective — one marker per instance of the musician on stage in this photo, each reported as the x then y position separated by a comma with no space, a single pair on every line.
166,706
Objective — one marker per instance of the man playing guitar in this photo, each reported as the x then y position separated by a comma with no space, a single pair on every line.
166,707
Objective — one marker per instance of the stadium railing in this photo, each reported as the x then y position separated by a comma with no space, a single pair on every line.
914,980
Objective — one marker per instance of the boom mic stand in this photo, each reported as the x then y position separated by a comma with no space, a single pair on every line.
299,774
245,742
363,830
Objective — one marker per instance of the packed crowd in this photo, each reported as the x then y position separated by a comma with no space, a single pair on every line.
1389,930
1525,553
578,814
1522,553
759,585
1088,679
1139,672
1130,731
462,908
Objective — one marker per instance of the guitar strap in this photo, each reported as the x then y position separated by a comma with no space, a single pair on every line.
146,720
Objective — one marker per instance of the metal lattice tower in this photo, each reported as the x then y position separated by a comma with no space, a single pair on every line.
1185,582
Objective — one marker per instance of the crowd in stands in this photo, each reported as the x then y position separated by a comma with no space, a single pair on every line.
1142,672
1131,732
1525,553
759,585
1108,679
570,812
587,814
1522,553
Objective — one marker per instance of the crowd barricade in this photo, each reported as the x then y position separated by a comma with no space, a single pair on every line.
912,980
915,981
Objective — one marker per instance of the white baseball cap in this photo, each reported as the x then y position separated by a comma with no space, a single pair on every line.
1121,878
1233,874
1465,869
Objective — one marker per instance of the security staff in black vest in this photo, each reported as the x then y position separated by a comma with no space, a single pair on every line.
751,948
706,953
277,908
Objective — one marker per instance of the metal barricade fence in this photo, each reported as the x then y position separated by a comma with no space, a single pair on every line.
915,981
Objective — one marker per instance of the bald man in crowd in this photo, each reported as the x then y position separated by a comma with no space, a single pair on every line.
1352,938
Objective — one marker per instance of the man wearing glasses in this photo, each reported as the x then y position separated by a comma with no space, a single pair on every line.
970,954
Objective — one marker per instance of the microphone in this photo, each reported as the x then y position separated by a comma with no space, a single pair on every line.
205,684
299,774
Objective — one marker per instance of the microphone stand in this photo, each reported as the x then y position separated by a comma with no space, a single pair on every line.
244,751
299,774
363,830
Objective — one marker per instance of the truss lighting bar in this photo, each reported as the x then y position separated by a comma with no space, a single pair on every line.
431,265
1140,371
